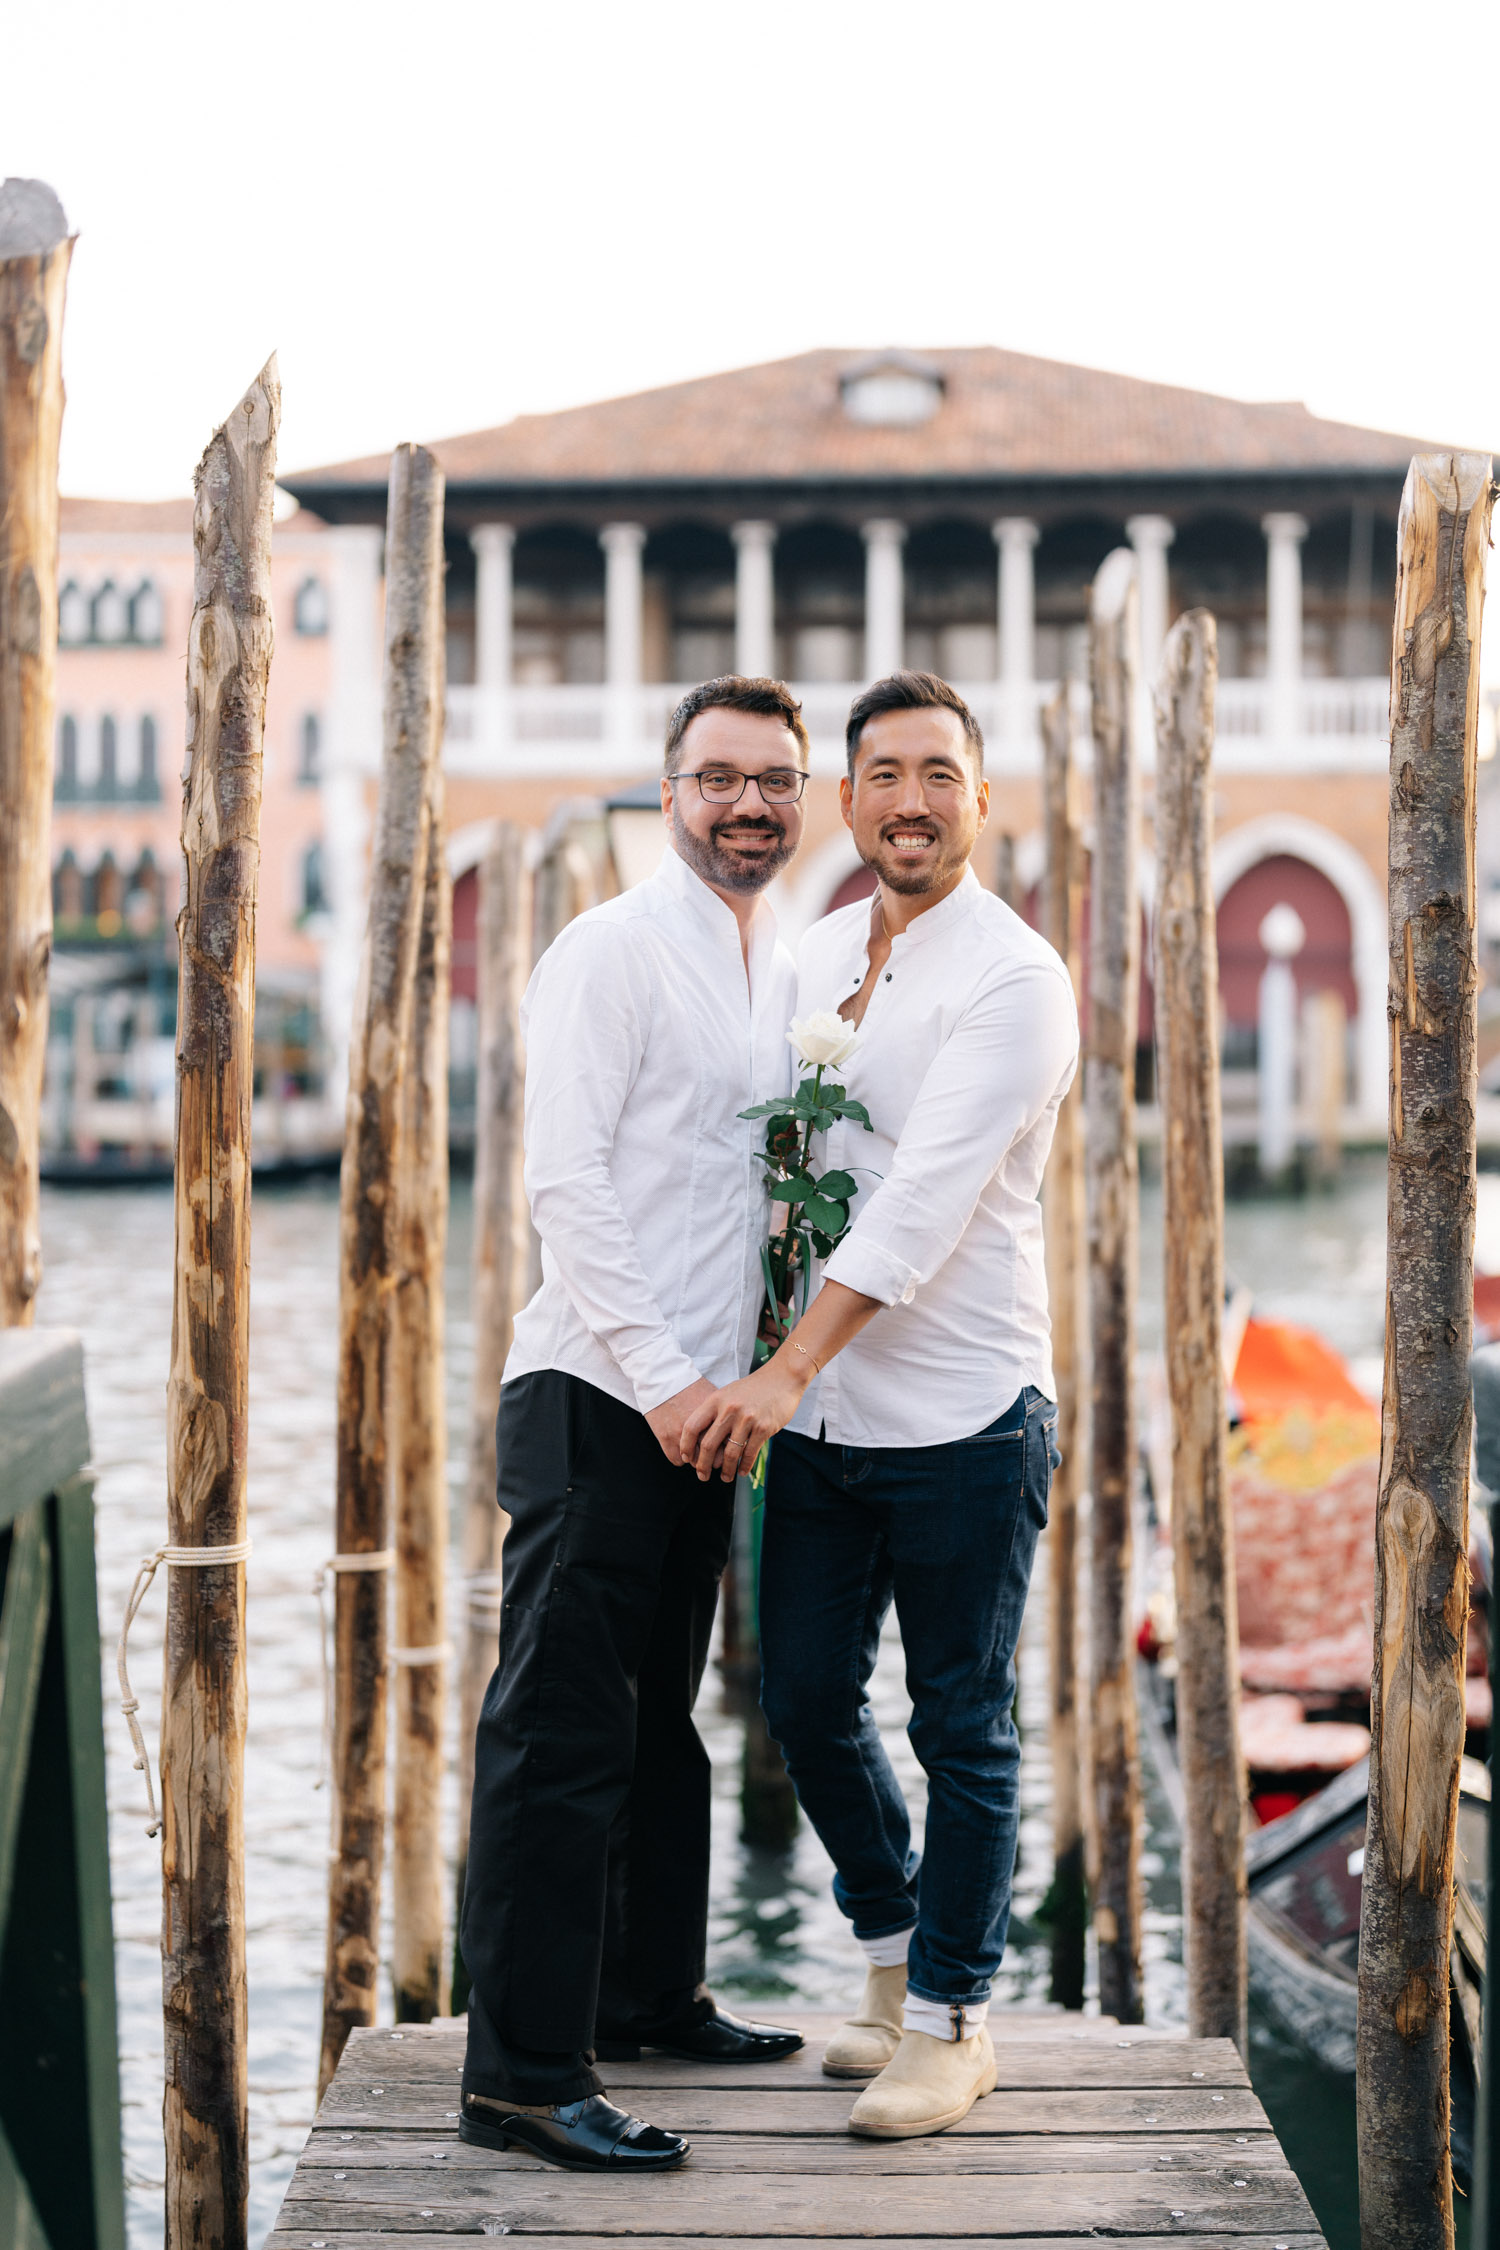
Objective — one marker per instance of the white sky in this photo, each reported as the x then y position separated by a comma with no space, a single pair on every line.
443,213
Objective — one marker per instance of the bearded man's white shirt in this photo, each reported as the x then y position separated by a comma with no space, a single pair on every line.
644,1041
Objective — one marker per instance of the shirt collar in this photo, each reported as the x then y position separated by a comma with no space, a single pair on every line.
687,889
946,915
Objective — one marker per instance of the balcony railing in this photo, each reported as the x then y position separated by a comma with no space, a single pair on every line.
1338,726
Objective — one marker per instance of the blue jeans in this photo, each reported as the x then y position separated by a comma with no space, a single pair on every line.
949,1533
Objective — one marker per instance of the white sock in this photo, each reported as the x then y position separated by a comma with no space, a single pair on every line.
886,1952
935,2017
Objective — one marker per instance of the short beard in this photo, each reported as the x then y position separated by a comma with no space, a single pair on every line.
705,857
913,882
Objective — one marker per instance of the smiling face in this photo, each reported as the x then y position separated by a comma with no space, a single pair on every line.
916,802
733,847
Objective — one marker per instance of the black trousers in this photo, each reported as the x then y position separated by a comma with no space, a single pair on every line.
586,1904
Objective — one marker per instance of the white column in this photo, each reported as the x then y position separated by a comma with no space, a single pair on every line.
493,545
754,600
1151,536
1283,936
1284,537
622,544
1016,536
885,597
352,753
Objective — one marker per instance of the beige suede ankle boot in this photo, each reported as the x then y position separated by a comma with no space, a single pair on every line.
927,2084
866,2043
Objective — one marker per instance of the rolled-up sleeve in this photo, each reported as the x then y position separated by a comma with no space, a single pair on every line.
587,1019
1011,1054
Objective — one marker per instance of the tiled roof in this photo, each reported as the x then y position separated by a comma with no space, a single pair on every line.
153,515
1002,415
125,515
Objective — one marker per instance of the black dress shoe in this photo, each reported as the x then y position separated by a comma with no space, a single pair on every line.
587,2136
720,2037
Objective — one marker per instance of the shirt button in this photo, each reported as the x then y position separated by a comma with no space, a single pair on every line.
888,976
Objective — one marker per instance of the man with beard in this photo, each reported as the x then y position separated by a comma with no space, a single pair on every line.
913,1400
650,1023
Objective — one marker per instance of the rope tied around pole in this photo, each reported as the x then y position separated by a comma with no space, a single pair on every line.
377,1558
483,1590
175,1558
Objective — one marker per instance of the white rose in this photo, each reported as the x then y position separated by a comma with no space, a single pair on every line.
822,1038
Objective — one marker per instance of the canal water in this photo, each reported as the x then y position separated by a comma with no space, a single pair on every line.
775,1937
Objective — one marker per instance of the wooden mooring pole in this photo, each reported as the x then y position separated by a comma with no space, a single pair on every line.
1187,1040
34,256
1062,926
500,1249
1113,1228
1422,1514
205,2113
369,1246
420,1451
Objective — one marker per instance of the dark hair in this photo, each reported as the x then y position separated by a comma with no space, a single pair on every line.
910,691
767,699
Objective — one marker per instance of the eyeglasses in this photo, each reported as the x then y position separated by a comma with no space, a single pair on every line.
721,785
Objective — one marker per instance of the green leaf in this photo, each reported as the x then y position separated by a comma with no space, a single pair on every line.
768,1109
827,1216
856,1110
823,1244
795,1190
838,1185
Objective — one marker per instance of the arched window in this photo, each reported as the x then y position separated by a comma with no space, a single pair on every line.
72,615
314,895
143,896
311,768
147,785
65,785
109,757
146,615
67,888
310,609
111,615
106,899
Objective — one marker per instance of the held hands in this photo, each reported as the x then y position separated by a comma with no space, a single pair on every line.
667,1419
726,1430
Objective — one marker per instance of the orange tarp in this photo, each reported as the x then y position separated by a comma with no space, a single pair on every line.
1284,1370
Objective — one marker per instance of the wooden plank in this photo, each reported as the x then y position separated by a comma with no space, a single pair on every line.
693,2201
379,2156
1172,2109
1037,2064
44,1431
298,2237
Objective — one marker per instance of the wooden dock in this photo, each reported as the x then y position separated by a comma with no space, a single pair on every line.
1093,2132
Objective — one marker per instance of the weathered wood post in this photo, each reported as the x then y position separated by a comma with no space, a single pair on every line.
34,255
1005,870
1062,926
1187,1039
1422,1515
368,1252
205,2113
1113,1225
419,1416
500,1252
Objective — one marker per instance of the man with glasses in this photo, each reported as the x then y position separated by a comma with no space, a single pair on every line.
650,1024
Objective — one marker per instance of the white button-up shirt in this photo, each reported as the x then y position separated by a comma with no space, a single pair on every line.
968,1044
643,1042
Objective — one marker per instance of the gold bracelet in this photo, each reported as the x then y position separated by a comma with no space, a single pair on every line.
806,1354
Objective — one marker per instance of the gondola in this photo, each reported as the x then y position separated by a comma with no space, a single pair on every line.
1305,1706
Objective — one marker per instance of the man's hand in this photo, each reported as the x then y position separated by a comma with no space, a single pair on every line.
667,1419
727,1430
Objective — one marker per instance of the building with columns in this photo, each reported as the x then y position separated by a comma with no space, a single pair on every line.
828,518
